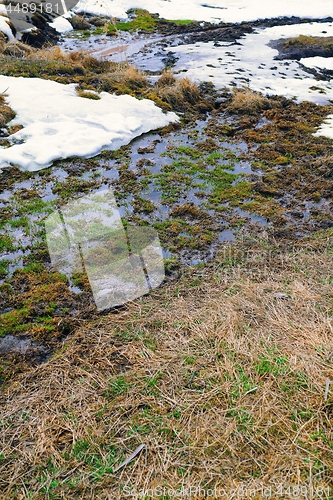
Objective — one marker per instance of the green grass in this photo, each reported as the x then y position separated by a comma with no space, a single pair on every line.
6,244
4,267
277,365
118,387
143,21
182,22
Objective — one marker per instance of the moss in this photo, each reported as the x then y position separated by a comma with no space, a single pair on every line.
73,186
4,266
35,205
143,205
171,265
88,95
6,243
34,310
142,21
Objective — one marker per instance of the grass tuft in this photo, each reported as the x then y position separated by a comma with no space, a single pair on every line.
245,101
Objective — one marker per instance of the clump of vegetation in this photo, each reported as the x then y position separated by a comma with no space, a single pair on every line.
178,94
167,79
308,41
88,95
16,49
6,113
94,75
304,46
245,101
124,79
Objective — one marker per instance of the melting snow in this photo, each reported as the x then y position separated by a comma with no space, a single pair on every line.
251,63
59,124
4,26
317,62
233,11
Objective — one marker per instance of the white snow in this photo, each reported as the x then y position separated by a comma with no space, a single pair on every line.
4,26
59,124
317,62
211,10
251,63
326,129
61,24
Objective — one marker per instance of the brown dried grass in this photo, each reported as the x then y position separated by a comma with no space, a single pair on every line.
246,101
6,113
180,94
173,370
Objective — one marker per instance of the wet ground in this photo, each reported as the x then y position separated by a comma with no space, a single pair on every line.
226,55
250,165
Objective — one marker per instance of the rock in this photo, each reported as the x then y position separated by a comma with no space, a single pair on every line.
97,21
40,36
6,115
79,23
219,101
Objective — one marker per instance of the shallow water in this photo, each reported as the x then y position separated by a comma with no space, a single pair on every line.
150,158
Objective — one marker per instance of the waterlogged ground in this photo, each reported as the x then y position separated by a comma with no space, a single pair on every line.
243,163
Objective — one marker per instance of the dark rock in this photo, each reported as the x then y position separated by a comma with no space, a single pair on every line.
219,101
97,21
41,36
79,23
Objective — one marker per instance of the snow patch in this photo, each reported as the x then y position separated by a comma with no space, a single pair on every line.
4,26
234,11
326,129
59,124
318,62
251,63
61,24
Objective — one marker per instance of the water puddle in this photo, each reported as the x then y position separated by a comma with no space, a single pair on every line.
22,345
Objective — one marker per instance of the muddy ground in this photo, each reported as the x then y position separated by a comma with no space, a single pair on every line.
237,163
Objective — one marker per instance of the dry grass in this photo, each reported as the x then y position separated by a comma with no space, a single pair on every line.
6,113
245,101
89,73
221,374
167,79
179,94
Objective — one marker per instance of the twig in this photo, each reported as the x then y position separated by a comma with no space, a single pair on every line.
188,385
251,390
131,457
327,388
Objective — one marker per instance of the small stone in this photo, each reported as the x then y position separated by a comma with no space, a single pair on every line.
280,295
